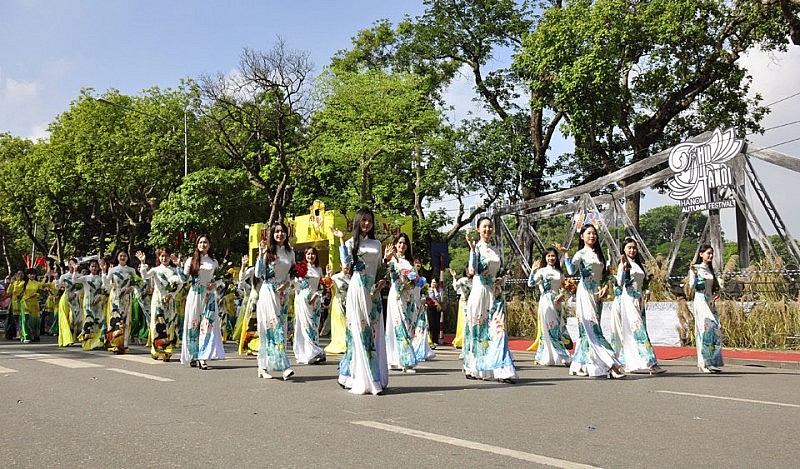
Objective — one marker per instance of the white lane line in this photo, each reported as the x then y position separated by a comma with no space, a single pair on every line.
139,359
530,457
32,356
709,396
141,375
7,370
69,363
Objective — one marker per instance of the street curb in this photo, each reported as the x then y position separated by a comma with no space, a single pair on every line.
777,364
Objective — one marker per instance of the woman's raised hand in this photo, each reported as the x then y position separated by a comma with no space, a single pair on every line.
140,255
389,252
471,242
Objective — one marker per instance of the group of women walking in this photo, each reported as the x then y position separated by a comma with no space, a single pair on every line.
96,308
630,349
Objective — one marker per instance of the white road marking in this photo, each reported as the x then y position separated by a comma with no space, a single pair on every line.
7,370
140,375
737,399
145,359
32,356
530,457
69,363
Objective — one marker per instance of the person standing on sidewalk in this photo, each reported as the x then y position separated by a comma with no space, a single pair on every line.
462,286
433,307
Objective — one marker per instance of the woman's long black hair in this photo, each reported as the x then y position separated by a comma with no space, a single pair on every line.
272,249
558,258
597,249
357,229
638,259
699,260
409,255
194,267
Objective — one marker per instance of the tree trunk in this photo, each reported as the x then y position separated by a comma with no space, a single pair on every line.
632,204
417,186
363,199
7,260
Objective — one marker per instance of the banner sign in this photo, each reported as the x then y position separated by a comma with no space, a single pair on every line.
700,168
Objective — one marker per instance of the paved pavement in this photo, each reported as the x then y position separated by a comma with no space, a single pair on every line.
68,408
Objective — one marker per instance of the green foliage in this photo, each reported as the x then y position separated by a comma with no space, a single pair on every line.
211,201
636,77
369,135
657,228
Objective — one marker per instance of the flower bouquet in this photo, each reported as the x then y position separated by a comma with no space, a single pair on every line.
569,287
298,270
412,279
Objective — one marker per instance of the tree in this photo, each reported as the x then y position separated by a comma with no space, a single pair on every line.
790,11
453,35
370,135
657,228
212,201
481,160
468,33
111,163
636,77
18,217
259,117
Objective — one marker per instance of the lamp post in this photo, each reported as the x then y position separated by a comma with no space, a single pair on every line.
185,128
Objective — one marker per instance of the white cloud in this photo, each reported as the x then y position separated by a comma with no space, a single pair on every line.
20,106
15,91
28,103
39,132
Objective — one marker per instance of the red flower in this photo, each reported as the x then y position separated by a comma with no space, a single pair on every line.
299,270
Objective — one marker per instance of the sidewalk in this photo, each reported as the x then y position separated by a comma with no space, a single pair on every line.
765,358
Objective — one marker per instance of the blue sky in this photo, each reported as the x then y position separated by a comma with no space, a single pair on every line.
49,50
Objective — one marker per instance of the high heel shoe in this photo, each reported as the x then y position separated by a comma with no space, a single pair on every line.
703,369
715,369
287,373
202,365
264,375
614,374
578,373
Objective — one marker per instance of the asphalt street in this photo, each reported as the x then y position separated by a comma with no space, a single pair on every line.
64,407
